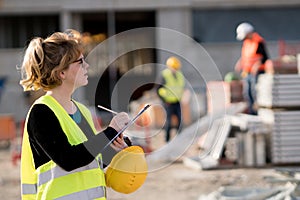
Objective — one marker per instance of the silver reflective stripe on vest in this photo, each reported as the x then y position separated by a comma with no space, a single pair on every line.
59,172
29,189
93,193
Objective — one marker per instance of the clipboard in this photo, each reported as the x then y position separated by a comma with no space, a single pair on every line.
126,126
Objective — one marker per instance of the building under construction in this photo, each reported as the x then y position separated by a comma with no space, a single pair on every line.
208,23
127,43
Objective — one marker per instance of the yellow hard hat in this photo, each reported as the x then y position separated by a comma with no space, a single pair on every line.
173,62
127,171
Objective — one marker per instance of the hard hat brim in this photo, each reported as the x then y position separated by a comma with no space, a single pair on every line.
240,37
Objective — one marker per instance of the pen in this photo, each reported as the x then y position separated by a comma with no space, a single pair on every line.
109,110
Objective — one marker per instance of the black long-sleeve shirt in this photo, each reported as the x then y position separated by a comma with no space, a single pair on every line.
49,142
261,49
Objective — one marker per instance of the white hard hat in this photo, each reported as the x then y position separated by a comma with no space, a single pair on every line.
243,29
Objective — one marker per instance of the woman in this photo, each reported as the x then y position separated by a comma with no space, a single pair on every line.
62,155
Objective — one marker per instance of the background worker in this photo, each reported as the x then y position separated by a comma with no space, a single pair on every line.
61,149
252,61
170,92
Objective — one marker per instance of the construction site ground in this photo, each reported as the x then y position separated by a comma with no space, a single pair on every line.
172,182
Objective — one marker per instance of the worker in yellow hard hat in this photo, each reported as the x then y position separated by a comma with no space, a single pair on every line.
170,92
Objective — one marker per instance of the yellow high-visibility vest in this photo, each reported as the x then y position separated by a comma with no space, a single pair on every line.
49,181
173,89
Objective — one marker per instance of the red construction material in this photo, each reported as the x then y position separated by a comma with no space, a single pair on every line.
288,48
7,127
17,145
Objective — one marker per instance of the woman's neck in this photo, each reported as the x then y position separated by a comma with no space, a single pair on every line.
64,99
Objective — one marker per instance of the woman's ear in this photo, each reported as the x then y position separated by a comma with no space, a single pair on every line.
62,75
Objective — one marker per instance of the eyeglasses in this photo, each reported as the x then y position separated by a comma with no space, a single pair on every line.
80,60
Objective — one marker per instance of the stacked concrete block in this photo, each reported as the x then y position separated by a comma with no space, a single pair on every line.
278,97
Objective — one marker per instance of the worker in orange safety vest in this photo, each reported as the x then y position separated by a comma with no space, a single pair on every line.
252,61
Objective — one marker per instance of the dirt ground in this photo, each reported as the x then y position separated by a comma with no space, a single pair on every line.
177,181
174,181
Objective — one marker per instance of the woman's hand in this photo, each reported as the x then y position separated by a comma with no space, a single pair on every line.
119,121
118,144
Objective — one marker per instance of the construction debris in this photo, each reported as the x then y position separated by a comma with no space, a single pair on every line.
178,146
213,145
249,143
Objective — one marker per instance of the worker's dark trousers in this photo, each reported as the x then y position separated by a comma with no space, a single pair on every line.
249,91
172,109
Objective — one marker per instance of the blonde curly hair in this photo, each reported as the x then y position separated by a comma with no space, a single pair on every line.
44,59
